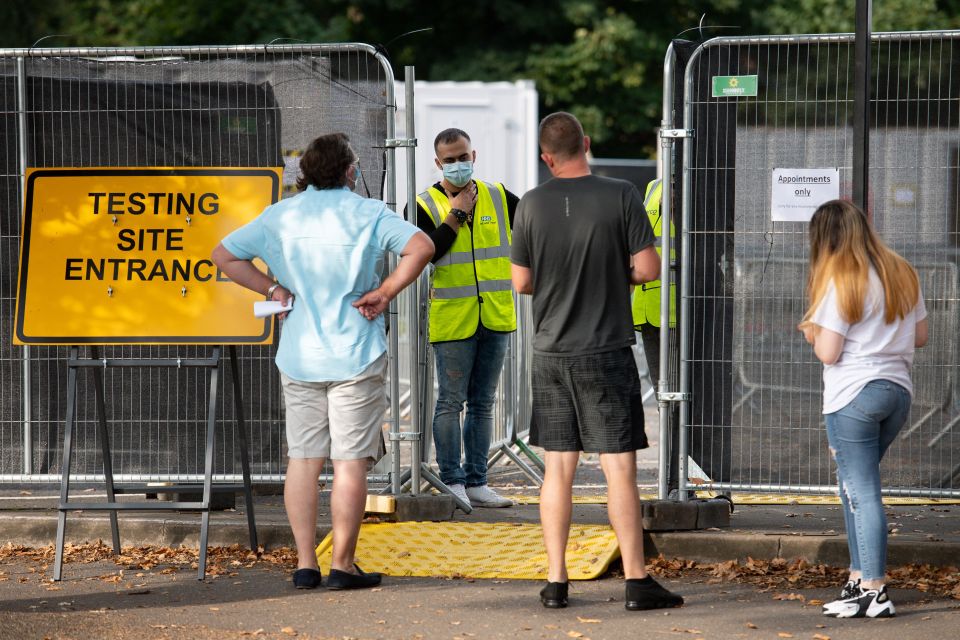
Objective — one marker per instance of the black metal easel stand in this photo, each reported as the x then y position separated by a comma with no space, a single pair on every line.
95,365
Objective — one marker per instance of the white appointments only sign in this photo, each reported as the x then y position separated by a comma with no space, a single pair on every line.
797,193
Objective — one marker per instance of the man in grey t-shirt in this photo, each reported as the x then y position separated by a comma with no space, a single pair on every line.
579,242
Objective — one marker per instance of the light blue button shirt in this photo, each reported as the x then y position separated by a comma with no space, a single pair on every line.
328,247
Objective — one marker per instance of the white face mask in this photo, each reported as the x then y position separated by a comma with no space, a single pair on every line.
458,173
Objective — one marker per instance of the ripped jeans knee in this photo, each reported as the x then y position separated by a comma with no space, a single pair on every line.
843,489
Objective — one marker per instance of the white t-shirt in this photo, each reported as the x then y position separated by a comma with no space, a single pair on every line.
872,349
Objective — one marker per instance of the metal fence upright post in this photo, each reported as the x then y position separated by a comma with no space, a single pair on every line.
686,265
409,77
25,364
861,104
393,345
666,277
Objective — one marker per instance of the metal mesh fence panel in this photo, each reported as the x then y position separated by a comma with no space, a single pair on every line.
755,416
181,107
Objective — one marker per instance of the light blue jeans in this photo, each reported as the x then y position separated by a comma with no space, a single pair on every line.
467,372
859,435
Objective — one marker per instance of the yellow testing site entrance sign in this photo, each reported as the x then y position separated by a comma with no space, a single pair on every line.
122,256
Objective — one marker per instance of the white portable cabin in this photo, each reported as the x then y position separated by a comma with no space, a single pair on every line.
501,119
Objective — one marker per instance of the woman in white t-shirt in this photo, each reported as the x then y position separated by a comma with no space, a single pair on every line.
866,316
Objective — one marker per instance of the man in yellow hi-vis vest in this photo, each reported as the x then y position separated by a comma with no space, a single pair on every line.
647,316
646,297
471,311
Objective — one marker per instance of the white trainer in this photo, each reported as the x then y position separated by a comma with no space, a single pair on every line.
484,496
850,591
461,492
872,603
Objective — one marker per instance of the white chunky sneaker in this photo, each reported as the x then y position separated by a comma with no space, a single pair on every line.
461,492
484,496
850,590
872,603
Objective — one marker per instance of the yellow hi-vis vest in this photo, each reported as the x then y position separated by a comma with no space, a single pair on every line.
471,282
646,297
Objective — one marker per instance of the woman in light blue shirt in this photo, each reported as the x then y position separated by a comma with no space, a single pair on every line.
326,247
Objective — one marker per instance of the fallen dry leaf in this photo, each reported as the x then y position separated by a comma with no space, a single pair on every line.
589,620
750,625
784,634
574,634
788,596
290,631
820,636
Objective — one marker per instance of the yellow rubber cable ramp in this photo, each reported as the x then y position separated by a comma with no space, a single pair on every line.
475,550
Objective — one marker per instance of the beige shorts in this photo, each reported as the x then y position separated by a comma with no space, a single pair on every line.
340,420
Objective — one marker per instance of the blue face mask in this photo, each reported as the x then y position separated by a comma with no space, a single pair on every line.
458,173
357,177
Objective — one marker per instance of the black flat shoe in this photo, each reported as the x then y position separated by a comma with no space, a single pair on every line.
306,578
554,595
342,580
647,593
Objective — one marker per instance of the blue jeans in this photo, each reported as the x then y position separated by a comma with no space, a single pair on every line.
467,372
859,435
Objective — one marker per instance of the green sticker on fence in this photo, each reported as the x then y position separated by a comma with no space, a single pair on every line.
734,86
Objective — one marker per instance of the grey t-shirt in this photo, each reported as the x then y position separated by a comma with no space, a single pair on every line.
576,235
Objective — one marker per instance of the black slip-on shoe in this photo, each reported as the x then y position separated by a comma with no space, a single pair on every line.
306,578
342,580
648,594
554,595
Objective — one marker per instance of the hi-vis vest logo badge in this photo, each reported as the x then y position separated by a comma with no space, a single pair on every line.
486,219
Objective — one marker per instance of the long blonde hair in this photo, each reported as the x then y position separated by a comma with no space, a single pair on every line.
843,247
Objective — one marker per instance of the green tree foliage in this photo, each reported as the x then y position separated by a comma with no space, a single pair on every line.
600,59
164,22
833,16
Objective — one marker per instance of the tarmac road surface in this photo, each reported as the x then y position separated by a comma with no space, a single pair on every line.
95,602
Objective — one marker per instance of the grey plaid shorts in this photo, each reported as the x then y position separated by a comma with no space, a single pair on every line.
587,403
